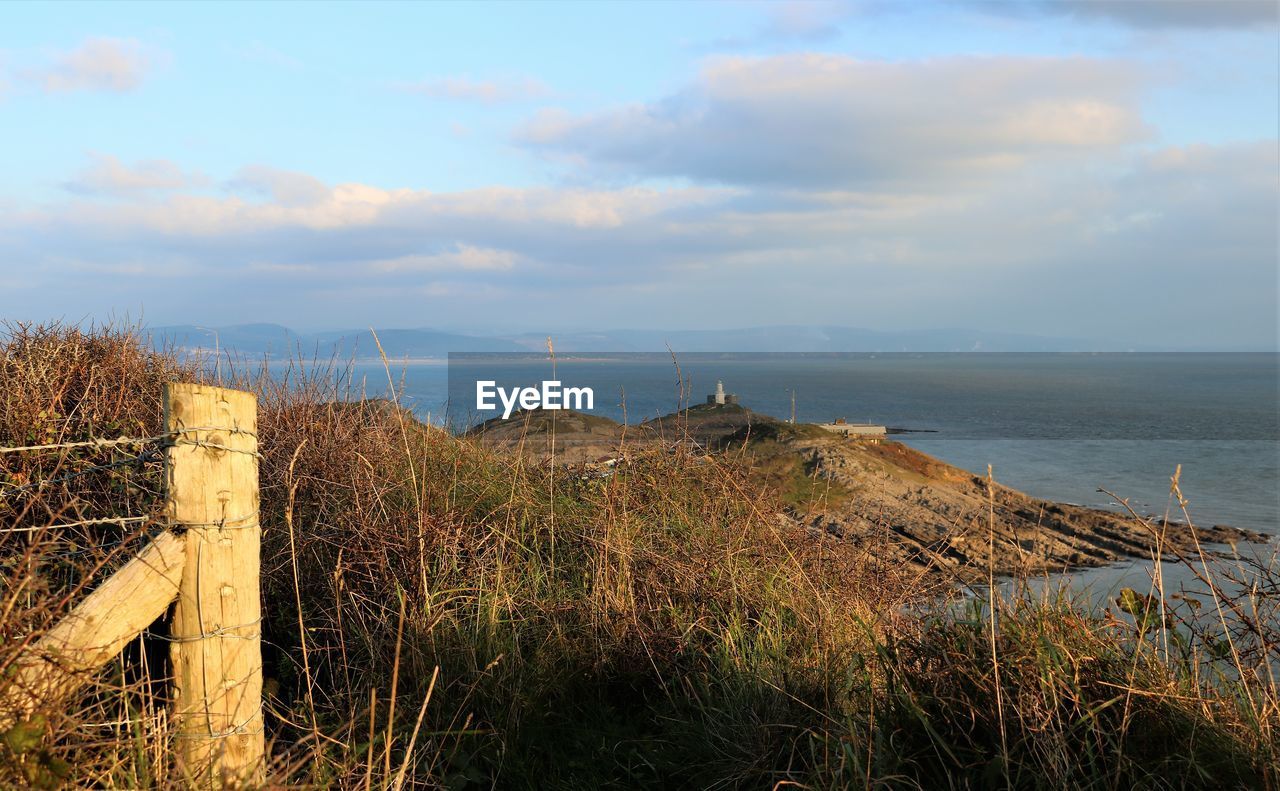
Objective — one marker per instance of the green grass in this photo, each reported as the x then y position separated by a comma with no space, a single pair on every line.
768,450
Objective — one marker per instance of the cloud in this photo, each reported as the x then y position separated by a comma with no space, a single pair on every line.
833,121
1146,14
106,175
1213,207
796,21
807,20
1175,245
463,88
464,257
99,64
287,188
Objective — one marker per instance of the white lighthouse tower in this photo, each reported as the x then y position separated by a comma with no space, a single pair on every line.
720,397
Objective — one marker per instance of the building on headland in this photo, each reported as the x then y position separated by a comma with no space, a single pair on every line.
720,397
847,429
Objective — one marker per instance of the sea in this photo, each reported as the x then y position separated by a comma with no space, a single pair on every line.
1089,429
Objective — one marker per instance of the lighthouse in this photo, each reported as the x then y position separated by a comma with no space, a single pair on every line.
720,397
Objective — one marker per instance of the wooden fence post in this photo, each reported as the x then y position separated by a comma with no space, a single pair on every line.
212,475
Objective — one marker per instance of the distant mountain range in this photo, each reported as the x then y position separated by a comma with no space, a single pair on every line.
273,339
812,339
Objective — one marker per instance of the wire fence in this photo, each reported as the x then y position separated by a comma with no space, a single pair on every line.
167,437
71,515
78,509
74,516
152,452
71,512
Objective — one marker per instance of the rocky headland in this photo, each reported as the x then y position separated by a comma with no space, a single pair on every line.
896,503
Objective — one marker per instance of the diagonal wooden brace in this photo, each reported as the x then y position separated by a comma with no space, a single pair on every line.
95,631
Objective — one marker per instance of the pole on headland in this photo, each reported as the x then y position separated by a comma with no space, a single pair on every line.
212,474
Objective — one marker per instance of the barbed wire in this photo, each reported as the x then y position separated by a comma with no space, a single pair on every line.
153,455
106,520
203,444
222,631
157,720
248,521
106,548
231,523
158,443
127,441
242,729
92,443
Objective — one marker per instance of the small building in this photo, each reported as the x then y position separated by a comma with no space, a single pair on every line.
720,397
844,428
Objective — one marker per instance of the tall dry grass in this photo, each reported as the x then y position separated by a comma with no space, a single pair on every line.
438,615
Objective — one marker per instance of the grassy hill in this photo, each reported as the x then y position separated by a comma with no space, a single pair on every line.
475,621
705,423
536,422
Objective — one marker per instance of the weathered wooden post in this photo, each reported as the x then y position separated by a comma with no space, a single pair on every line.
212,475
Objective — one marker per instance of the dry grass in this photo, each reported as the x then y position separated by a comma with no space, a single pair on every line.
438,615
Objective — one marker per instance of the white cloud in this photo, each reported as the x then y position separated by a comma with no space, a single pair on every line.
282,269
464,257
284,187
492,91
99,64
837,122
107,175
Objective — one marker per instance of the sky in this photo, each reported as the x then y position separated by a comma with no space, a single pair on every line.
1097,170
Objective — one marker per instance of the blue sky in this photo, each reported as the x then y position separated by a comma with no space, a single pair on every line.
1085,169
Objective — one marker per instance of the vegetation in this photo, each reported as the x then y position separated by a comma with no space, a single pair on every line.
472,620
767,449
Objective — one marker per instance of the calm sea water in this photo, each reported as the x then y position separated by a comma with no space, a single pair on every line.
1058,426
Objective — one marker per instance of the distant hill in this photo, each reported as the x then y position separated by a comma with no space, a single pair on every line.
703,423
254,339
408,343
258,339
707,423
575,437
535,422
568,436
789,338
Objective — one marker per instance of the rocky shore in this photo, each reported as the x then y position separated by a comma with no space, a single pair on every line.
907,506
